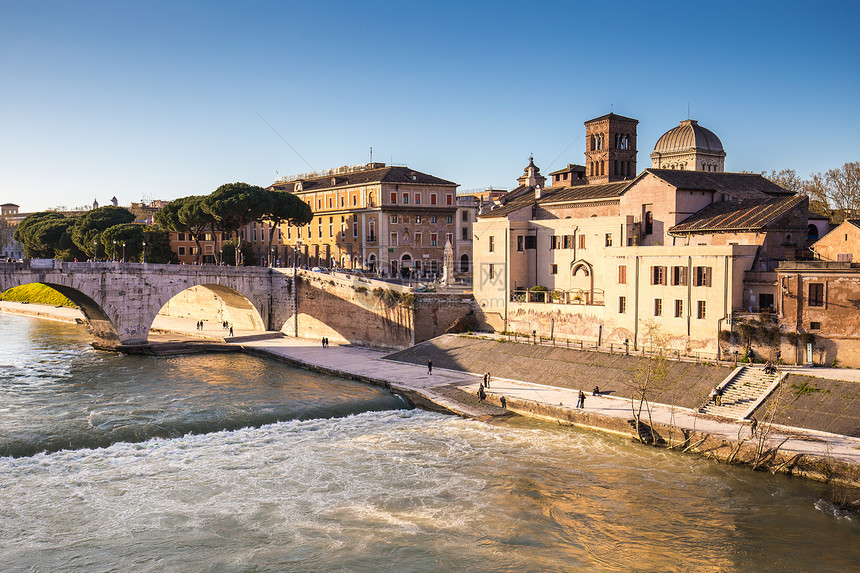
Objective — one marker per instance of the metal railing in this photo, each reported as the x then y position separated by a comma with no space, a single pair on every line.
571,296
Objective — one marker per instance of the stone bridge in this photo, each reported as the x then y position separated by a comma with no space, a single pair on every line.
121,301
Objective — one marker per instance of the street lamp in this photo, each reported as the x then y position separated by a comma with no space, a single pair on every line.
123,251
114,250
144,251
96,248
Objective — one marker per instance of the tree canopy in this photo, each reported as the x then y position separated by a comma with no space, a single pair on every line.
47,234
834,193
234,205
282,207
132,236
91,224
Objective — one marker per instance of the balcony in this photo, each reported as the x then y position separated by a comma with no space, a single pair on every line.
573,296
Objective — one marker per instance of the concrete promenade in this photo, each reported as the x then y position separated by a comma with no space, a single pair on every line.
370,364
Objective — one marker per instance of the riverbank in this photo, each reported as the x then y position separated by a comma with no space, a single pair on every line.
822,456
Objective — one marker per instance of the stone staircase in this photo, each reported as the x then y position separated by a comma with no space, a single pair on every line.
747,387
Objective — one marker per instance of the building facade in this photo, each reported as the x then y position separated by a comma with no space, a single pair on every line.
391,220
606,261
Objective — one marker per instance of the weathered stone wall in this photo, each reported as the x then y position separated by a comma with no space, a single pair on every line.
371,313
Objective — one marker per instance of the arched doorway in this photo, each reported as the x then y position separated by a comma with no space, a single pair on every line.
371,263
581,282
405,264
812,233
464,264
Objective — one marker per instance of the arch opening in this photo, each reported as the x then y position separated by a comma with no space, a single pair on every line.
212,304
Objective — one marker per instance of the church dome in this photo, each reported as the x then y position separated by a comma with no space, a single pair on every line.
689,136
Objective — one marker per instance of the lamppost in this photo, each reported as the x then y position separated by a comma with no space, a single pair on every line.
123,251
114,251
96,248
272,257
144,251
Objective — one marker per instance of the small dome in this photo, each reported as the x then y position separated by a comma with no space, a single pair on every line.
689,136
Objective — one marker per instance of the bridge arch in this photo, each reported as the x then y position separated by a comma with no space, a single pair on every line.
211,302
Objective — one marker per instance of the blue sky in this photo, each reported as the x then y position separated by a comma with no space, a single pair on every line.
162,99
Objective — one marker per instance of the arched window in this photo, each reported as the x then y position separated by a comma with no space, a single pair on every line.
812,233
464,264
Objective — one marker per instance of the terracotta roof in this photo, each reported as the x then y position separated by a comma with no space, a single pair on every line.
613,116
744,216
390,174
525,196
737,185
584,192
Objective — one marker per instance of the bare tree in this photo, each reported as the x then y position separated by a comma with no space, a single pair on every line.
838,189
787,179
649,378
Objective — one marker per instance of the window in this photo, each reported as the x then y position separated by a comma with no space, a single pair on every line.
433,219
342,201
181,250
658,275
658,307
553,269
816,294
701,309
568,241
493,245
622,304
393,198
254,234
180,237
393,239
465,216
582,241
703,276
434,240
531,242
814,326
418,198
679,276
520,243
492,271
649,222
449,199
394,219
465,232
355,199
406,198
330,202
554,241
432,198
355,229
449,219
622,274
608,239
417,219
679,308
449,238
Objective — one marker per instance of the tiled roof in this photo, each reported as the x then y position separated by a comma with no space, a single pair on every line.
584,192
613,116
731,216
737,185
525,196
390,174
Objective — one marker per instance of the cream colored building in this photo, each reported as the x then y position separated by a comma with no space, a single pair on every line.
671,246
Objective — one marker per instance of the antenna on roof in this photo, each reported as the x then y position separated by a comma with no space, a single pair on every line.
610,107
371,154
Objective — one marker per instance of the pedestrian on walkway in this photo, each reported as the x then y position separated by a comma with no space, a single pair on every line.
503,402
481,394
718,399
429,367
231,332
580,402
487,382
753,425
596,391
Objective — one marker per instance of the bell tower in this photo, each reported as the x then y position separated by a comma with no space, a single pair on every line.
610,148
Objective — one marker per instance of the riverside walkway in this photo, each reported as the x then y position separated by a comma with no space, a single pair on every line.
371,364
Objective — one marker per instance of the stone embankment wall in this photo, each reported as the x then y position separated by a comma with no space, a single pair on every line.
371,313
816,403
686,384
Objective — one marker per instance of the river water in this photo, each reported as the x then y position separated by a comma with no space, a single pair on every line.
232,463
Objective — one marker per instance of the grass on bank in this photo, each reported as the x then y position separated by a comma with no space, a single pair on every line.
36,293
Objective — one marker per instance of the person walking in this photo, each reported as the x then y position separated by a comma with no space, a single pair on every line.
503,402
481,394
430,367
487,380
580,402
231,331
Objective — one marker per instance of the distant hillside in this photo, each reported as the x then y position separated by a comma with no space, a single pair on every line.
36,293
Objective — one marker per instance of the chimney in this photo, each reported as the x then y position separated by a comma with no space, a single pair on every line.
537,191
